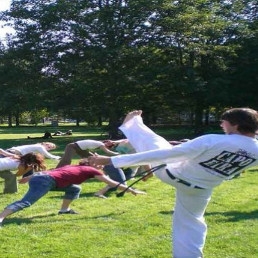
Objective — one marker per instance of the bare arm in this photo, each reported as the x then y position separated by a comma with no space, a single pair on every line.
25,180
113,183
98,160
23,170
8,154
109,152
47,154
120,141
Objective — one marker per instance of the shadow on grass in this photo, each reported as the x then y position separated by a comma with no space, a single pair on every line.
252,169
33,219
20,221
17,221
58,197
233,216
230,216
166,212
110,193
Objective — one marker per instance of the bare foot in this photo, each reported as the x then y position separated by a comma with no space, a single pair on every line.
131,115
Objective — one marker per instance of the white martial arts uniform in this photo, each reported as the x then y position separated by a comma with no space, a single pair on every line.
196,167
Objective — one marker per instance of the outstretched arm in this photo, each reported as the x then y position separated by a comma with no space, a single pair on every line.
25,180
109,152
8,154
47,154
98,160
113,183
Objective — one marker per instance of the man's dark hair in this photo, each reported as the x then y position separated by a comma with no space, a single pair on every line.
245,118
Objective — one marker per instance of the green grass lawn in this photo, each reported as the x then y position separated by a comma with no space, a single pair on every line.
130,226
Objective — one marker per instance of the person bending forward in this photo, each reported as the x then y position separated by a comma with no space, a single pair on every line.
65,179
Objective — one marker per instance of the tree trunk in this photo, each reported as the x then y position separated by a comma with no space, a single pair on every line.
10,120
198,128
17,120
113,125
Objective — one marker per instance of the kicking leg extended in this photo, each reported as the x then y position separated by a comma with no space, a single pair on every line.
141,137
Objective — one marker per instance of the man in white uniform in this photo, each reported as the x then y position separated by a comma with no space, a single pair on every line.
194,168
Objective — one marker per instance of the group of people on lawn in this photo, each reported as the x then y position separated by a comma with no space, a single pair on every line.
194,167
29,160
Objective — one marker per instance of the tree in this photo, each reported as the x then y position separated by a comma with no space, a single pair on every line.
204,36
98,59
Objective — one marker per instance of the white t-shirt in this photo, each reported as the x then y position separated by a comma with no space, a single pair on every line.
8,164
89,144
38,148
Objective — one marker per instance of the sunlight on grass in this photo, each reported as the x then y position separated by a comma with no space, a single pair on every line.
127,227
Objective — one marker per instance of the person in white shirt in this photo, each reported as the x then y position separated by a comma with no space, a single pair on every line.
42,148
194,168
6,164
84,149
24,164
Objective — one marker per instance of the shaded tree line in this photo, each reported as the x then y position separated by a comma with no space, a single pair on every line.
95,60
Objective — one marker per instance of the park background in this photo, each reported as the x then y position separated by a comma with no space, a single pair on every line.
89,63
93,61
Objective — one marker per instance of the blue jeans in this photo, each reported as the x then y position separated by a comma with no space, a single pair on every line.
39,185
118,174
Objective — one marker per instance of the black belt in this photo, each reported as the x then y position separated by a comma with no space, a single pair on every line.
181,181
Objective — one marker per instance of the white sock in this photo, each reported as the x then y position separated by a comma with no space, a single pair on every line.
63,210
